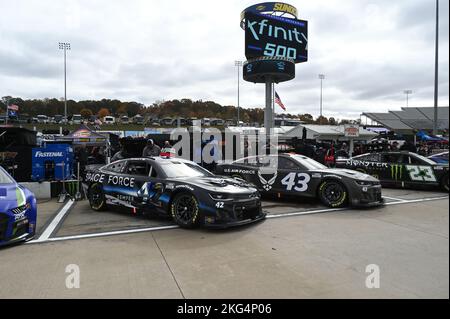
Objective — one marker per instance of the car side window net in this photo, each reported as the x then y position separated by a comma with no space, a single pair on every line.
138,168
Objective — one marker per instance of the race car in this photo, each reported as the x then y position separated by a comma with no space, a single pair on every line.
404,169
293,174
440,158
18,211
173,187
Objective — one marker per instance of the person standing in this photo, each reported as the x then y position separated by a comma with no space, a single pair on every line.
151,149
122,154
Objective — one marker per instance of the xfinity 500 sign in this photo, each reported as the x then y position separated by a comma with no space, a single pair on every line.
275,36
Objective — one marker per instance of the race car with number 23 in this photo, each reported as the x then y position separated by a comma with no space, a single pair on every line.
400,169
173,187
293,174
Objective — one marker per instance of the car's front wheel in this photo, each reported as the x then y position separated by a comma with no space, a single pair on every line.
185,210
333,194
97,197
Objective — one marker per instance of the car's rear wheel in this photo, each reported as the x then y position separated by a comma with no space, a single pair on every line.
185,210
333,194
444,183
97,197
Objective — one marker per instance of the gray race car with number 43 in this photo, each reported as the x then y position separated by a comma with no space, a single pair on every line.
178,188
298,175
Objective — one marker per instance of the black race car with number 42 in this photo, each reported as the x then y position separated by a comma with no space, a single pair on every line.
400,169
178,188
292,174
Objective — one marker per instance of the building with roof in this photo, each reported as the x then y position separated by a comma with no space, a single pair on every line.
327,133
409,119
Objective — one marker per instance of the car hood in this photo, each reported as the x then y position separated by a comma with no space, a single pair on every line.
12,196
222,184
348,173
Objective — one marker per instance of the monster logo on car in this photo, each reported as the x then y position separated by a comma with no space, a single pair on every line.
396,171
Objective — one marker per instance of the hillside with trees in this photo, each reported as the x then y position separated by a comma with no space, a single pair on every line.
185,108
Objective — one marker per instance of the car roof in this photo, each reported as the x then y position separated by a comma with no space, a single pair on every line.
158,159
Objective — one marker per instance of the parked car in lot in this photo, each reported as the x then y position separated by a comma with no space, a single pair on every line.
172,187
59,119
217,122
17,211
42,119
124,119
400,169
77,119
166,121
138,119
298,175
109,120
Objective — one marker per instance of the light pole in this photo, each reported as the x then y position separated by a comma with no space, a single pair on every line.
407,92
238,64
6,99
436,72
65,46
321,77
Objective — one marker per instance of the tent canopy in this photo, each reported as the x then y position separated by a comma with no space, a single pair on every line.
412,118
85,136
427,138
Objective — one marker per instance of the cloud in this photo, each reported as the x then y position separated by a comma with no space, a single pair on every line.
370,51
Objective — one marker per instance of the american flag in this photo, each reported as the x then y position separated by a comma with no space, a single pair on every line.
278,101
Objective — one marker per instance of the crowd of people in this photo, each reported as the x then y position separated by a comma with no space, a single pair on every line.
327,153
322,152
150,150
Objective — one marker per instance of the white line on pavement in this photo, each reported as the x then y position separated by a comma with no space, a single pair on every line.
395,198
320,211
410,201
55,222
111,233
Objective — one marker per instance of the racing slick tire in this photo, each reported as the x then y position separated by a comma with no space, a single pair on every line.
96,196
444,183
333,194
185,210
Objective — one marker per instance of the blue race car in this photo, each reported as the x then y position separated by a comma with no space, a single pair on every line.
18,211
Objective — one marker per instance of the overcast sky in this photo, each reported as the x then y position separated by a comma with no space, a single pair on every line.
148,50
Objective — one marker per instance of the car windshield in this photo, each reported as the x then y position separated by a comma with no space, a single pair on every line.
308,163
4,178
176,169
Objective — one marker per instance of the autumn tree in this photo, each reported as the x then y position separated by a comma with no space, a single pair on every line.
103,112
